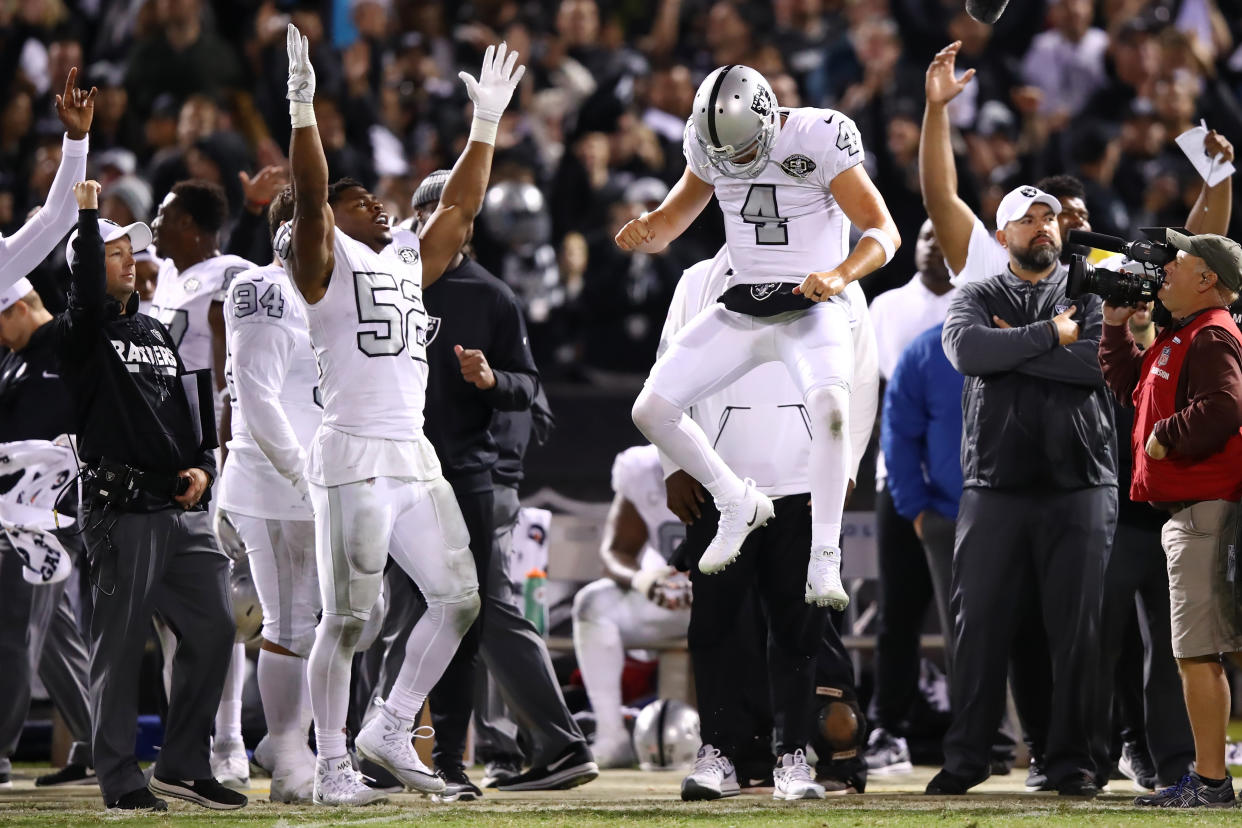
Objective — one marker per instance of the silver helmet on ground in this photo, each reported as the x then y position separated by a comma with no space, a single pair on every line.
735,120
666,735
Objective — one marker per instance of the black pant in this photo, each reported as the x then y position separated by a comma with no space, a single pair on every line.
1014,547
165,562
1137,579
773,561
905,594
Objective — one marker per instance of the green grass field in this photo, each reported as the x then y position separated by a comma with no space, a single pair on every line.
633,798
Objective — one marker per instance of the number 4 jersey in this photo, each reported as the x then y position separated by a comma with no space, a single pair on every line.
369,332
182,300
273,385
785,223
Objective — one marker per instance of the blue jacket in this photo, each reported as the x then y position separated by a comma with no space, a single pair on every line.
921,429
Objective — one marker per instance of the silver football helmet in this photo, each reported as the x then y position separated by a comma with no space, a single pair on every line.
247,612
735,120
666,735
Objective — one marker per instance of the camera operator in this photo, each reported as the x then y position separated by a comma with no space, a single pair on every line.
1186,389
149,464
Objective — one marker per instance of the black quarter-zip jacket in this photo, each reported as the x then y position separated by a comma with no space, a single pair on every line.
1035,414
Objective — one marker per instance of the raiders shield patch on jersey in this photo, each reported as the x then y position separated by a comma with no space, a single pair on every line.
407,254
799,166
433,328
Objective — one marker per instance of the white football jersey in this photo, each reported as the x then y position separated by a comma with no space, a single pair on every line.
785,223
369,332
759,424
181,302
273,384
638,477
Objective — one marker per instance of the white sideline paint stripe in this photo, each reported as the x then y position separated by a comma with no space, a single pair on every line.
284,823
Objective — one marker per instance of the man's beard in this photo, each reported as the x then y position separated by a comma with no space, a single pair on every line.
1037,258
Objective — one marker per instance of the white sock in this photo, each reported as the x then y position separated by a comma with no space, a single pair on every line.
228,714
829,465
601,658
282,679
680,437
328,672
430,648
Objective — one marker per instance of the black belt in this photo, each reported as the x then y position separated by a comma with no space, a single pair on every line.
767,299
118,483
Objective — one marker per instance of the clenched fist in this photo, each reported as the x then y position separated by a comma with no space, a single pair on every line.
820,287
87,194
635,233
474,368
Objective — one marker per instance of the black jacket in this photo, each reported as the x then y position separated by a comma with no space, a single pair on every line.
1035,414
34,402
123,375
470,307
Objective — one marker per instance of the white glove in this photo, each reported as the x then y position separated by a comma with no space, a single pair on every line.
228,537
494,88
301,87
645,580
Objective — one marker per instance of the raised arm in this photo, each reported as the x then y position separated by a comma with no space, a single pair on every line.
22,252
310,258
462,198
652,232
1214,206
950,215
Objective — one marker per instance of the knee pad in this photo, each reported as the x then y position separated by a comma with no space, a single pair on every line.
301,642
829,404
374,624
452,525
459,612
651,411
346,629
592,601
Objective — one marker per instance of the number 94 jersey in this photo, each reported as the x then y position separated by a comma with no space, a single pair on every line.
785,223
369,332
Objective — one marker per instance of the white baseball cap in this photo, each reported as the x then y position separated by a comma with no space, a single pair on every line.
1017,201
139,236
17,291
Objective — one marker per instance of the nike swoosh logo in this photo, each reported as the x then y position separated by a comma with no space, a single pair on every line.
50,375
753,517
556,765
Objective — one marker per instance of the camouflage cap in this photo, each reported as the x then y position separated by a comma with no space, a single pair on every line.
1223,256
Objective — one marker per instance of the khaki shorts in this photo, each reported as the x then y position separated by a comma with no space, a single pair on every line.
1205,613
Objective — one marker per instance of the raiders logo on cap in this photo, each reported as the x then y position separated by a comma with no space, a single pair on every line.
407,254
1029,192
761,292
798,166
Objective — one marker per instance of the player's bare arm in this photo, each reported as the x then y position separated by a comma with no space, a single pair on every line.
1214,206
448,227
950,215
625,534
654,231
310,258
865,208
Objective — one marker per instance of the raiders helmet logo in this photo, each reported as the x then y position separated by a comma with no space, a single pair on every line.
190,285
407,254
761,292
1062,308
761,104
1029,192
798,166
433,327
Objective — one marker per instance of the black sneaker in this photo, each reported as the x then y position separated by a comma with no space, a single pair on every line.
139,800
457,786
1037,777
948,784
501,770
575,766
68,775
1135,764
887,753
1191,792
206,792
1081,785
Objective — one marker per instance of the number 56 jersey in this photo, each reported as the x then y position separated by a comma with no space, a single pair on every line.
369,332
785,222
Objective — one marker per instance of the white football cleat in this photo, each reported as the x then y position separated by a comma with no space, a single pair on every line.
713,777
738,518
337,783
230,765
294,785
823,579
387,740
794,780
265,754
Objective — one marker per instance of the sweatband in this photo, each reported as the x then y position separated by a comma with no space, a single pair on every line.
883,240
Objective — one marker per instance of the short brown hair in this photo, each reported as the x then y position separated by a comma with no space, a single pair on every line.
280,210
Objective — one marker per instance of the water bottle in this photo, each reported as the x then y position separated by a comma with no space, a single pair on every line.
536,610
